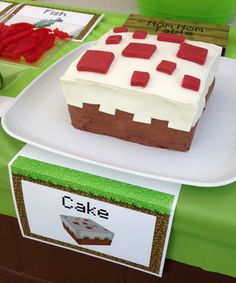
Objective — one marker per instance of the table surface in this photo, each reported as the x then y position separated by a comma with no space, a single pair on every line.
204,228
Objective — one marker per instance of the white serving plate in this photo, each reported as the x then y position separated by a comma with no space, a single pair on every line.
5,103
39,117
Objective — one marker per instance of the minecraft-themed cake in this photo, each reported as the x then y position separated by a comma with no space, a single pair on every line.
148,89
85,231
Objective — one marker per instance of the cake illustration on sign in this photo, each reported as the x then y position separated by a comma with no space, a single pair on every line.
147,89
86,231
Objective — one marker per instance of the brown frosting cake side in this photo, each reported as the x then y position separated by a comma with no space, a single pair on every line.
122,126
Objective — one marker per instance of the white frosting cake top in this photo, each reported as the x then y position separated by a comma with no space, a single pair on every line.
164,96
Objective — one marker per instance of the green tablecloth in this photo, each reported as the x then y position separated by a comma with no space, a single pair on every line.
204,228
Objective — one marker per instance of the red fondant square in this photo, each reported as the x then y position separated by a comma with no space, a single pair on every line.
139,50
192,53
140,34
114,39
120,29
140,78
176,38
191,82
167,67
95,61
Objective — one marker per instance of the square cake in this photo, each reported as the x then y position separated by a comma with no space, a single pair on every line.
86,231
148,89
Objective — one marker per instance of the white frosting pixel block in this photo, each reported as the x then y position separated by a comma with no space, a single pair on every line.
86,228
163,98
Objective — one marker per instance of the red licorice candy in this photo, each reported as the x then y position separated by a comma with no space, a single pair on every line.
61,34
38,51
15,38
14,29
25,40
3,27
16,50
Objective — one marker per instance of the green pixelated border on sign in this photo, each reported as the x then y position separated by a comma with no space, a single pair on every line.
95,185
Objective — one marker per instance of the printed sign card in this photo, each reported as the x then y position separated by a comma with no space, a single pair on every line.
40,32
6,7
61,203
77,24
